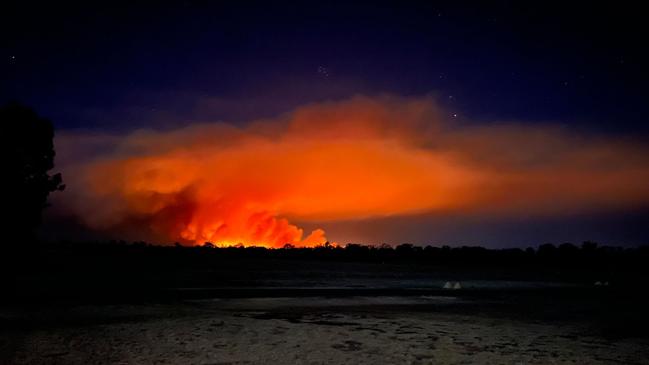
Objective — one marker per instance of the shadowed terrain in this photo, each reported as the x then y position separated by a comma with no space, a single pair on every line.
111,303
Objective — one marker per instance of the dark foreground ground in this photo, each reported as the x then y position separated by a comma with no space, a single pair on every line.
105,307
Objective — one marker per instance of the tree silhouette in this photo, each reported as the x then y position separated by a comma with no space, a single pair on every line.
28,150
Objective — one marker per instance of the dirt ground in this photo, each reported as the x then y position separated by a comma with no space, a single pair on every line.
355,330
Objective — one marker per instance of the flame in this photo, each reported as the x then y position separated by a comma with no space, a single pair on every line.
354,159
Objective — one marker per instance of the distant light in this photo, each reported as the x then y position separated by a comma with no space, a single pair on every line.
323,71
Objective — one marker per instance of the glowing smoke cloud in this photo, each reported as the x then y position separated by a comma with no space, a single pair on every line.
364,157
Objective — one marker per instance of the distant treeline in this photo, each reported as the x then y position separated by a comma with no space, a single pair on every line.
120,269
587,255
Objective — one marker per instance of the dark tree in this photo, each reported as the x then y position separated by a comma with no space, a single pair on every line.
28,151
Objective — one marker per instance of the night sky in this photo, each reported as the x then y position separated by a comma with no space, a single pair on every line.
114,69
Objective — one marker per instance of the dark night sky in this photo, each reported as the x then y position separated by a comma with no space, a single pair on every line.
580,63
116,68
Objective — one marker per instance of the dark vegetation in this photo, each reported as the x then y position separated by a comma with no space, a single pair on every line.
120,270
567,257
28,153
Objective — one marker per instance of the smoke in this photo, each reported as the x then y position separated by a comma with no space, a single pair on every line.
354,159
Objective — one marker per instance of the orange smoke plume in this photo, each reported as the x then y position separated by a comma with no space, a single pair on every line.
354,159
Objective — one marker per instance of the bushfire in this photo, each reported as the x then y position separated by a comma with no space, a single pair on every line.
347,160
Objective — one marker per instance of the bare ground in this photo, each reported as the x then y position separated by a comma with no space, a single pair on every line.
383,330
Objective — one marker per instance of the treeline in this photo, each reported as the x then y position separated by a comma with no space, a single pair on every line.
70,269
587,255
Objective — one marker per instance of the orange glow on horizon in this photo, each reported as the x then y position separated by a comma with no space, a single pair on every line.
360,158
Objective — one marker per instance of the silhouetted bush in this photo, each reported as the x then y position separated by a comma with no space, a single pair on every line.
28,151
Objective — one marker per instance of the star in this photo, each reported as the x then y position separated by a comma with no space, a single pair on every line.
323,71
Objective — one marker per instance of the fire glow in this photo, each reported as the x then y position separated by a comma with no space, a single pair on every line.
354,159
